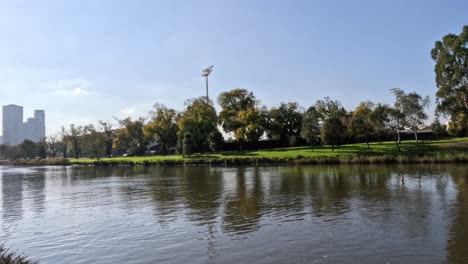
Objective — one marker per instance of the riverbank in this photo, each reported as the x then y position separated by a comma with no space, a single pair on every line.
442,151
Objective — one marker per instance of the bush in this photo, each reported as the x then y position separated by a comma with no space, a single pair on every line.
8,257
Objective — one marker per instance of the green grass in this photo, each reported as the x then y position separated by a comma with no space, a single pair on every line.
426,151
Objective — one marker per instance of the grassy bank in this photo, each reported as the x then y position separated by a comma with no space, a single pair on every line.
442,151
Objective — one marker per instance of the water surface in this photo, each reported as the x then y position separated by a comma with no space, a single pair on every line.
297,214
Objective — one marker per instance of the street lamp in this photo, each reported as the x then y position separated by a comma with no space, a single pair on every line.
205,74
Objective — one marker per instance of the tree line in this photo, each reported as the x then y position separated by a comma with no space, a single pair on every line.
196,129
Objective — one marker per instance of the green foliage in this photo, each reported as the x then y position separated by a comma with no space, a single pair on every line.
108,133
130,137
94,142
380,118
216,141
238,109
361,125
29,149
162,127
332,130
458,125
199,119
74,136
451,57
438,129
285,122
412,107
187,144
310,130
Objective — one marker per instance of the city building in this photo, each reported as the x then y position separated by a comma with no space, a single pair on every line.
15,131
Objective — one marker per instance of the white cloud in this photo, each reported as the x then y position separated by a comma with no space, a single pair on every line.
78,91
72,87
127,111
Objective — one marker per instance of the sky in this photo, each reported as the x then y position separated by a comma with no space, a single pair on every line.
83,61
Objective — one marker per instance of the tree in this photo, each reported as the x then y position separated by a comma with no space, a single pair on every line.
328,107
108,133
41,148
187,144
380,121
94,142
255,122
162,127
29,149
215,141
395,121
361,125
451,70
412,107
235,105
285,122
438,129
130,137
397,115
74,137
332,115
310,130
414,111
332,130
63,142
200,119
52,143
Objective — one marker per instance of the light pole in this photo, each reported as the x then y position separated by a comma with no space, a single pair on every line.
205,74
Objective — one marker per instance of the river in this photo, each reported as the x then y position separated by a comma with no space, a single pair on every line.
286,214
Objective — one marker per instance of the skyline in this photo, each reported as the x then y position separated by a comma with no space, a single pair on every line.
84,62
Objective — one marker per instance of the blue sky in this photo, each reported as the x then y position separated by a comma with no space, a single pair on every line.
84,61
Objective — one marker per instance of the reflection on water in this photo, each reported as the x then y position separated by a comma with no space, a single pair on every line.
246,214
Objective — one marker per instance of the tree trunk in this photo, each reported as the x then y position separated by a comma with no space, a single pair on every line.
399,138
416,136
367,142
398,145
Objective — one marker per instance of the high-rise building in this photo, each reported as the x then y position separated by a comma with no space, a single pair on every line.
15,131
12,124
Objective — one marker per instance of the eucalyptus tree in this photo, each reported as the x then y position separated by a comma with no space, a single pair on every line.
412,107
396,119
451,70
397,115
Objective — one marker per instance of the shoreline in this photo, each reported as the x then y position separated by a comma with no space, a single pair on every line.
438,158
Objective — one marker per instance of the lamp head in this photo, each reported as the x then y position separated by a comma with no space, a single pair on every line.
207,71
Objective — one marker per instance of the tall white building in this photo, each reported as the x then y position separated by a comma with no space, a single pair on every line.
15,131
